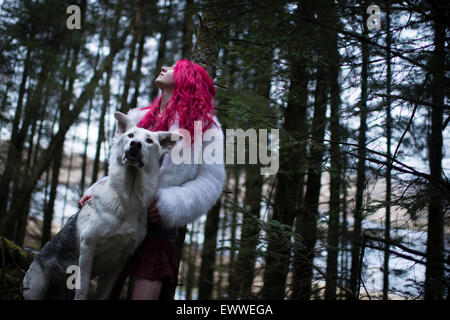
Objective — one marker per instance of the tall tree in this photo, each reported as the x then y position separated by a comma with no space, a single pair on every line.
106,95
191,261
245,264
137,72
210,34
290,177
207,267
434,276
163,38
232,291
335,158
91,102
66,100
361,166
19,133
310,214
387,228
244,272
187,29
137,31
223,231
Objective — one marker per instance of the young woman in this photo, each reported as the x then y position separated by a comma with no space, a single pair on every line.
187,190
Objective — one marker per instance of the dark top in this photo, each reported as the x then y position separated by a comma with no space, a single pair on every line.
154,230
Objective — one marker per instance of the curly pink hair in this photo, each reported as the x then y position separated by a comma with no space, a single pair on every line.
192,99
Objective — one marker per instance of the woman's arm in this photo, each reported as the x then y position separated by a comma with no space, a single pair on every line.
181,205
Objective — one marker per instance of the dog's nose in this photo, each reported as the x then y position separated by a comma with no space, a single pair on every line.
135,144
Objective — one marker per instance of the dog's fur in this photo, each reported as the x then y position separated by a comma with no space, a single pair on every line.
103,235
188,191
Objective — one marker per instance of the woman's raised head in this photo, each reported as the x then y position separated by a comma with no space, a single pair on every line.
192,98
189,76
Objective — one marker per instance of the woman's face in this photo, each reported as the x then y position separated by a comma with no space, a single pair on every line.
165,78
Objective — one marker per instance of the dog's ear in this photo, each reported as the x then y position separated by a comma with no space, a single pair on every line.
168,139
123,122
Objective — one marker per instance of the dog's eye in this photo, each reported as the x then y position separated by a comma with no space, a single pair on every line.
149,140
130,135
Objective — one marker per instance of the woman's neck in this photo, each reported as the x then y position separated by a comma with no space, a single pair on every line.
166,95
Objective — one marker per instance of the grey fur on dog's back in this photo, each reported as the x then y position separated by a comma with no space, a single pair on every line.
53,260
62,247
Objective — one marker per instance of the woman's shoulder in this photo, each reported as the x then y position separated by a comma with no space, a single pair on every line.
216,127
216,120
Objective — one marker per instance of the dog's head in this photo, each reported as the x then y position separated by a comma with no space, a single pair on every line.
137,146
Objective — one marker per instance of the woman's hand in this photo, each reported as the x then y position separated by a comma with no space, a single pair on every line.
84,199
153,214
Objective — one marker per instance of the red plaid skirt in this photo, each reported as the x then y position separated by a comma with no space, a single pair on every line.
155,259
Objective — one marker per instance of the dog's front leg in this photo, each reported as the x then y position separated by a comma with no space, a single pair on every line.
107,282
87,252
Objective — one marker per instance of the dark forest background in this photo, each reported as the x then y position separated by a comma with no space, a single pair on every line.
359,206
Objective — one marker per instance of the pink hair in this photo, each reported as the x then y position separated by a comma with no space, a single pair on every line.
192,99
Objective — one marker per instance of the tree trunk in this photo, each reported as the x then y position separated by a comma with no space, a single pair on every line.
186,49
361,166
106,94
19,200
192,258
91,102
295,123
209,36
160,60
232,290
131,56
22,221
223,229
137,72
48,212
387,223
434,276
13,166
344,225
310,215
335,164
84,156
205,283
67,185
245,263
8,171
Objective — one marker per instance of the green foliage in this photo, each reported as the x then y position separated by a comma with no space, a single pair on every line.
246,109
14,263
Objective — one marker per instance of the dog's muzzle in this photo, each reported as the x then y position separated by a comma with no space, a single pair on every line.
133,155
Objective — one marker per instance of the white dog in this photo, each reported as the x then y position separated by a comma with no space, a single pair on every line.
102,236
